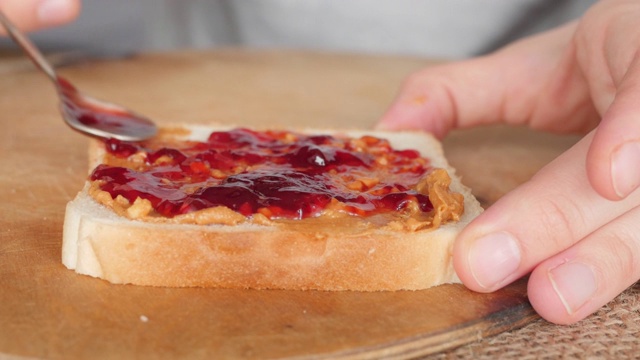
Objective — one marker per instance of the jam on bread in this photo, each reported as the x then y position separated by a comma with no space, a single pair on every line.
277,174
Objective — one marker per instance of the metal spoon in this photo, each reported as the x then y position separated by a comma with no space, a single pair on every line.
81,112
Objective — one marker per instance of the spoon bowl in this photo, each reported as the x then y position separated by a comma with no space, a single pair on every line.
81,112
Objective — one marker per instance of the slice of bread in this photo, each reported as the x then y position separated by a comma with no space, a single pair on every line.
325,253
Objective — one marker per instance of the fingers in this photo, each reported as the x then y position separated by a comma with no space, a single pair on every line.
533,82
545,219
36,14
577,282
613,162
440,98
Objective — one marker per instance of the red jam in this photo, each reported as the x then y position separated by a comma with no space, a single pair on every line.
98,116
278,174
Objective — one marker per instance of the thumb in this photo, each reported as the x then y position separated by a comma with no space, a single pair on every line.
30,15
514,85
448,96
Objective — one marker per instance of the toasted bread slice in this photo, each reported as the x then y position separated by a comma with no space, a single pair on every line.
324,253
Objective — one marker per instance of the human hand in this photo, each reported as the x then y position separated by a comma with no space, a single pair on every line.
31,15
575,225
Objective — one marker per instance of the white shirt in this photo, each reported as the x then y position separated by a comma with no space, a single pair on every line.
432,28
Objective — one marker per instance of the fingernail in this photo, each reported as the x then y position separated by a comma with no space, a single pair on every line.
52,12
574,283
625,168
493,258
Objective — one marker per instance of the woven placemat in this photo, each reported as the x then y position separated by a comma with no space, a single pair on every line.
611,333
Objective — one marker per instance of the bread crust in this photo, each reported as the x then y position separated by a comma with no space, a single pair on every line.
99,243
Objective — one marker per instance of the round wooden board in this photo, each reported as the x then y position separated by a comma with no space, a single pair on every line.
48,311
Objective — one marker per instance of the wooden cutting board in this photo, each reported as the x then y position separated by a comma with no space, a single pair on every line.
48,311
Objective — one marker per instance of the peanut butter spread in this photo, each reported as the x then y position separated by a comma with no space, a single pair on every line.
275,178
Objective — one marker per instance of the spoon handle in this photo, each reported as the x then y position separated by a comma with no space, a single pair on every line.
32,51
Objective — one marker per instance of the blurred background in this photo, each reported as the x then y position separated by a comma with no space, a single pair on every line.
430,28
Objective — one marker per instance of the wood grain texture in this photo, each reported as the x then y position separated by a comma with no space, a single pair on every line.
47,311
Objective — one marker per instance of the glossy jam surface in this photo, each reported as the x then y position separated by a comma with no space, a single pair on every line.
281,175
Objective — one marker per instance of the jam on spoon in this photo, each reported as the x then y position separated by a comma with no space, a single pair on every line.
81,112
